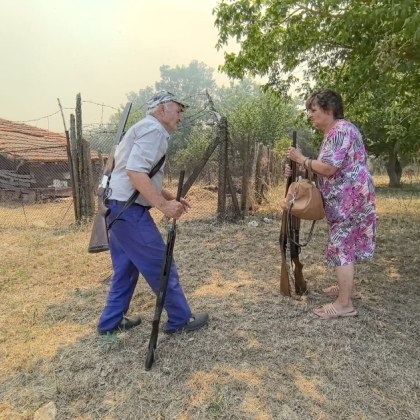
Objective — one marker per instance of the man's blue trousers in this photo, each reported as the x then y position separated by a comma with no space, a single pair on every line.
136,245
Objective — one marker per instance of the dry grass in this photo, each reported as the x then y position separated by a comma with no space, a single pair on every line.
261,357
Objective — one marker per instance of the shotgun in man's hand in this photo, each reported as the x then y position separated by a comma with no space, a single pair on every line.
163,283
99,240
290,226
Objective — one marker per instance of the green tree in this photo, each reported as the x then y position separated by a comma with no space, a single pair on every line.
367,50
196,145
139,99
258,116
189,82
254,115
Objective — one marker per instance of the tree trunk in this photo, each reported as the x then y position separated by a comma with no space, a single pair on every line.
394,170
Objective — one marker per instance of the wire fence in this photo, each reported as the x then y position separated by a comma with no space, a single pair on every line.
39,192
51,209
54,207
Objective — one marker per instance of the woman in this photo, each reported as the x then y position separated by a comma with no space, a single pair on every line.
347,188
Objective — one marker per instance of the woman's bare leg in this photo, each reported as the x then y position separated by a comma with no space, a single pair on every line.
345,277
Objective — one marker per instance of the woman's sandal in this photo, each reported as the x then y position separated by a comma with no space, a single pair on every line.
328,311
332,291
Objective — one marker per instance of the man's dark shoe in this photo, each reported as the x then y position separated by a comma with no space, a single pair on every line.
196,322
128,323
125,324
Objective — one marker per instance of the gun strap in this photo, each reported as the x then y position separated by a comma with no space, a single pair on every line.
289,230
135,194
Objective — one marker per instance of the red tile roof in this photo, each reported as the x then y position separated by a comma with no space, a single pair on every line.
22,141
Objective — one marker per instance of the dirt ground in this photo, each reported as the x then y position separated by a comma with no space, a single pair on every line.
262,356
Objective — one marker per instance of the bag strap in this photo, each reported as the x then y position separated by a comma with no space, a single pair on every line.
289,227
312,176
135,194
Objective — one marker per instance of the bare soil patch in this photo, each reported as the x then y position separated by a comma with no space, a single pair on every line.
262,356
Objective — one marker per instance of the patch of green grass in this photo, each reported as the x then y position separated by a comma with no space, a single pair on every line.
216,407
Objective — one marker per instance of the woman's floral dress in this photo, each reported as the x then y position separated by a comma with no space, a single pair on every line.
349,196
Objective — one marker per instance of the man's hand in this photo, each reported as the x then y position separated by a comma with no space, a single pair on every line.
170,197
172,209
162,200
185,204
175,209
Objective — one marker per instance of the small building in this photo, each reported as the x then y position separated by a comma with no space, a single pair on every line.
33,163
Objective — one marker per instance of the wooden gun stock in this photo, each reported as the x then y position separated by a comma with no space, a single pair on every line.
300,283
99,240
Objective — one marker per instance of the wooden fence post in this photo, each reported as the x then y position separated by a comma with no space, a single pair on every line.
84,168
245,179
236,209
262,172
223,160
258,181
70,160
274,168
251,178
74,160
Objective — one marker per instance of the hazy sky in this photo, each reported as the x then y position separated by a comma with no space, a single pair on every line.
102,49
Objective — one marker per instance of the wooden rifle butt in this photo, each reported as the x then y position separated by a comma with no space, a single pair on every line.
284,270
300,283
284,279
99,241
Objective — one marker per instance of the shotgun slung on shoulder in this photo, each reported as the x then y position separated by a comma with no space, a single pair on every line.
99,240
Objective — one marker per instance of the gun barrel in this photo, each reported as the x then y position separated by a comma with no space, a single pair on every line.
163,284
291,227
284,270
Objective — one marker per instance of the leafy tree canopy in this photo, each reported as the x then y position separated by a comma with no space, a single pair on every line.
189,82
254,115
369,51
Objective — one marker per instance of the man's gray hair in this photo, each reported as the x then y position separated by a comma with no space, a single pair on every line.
151,111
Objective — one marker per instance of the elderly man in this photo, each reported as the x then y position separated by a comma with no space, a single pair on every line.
135,242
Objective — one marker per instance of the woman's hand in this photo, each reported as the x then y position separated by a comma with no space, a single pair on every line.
287,171
295,155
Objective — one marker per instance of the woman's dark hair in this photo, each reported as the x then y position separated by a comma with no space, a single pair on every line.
328,100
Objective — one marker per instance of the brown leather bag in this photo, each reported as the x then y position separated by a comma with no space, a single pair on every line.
304,200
